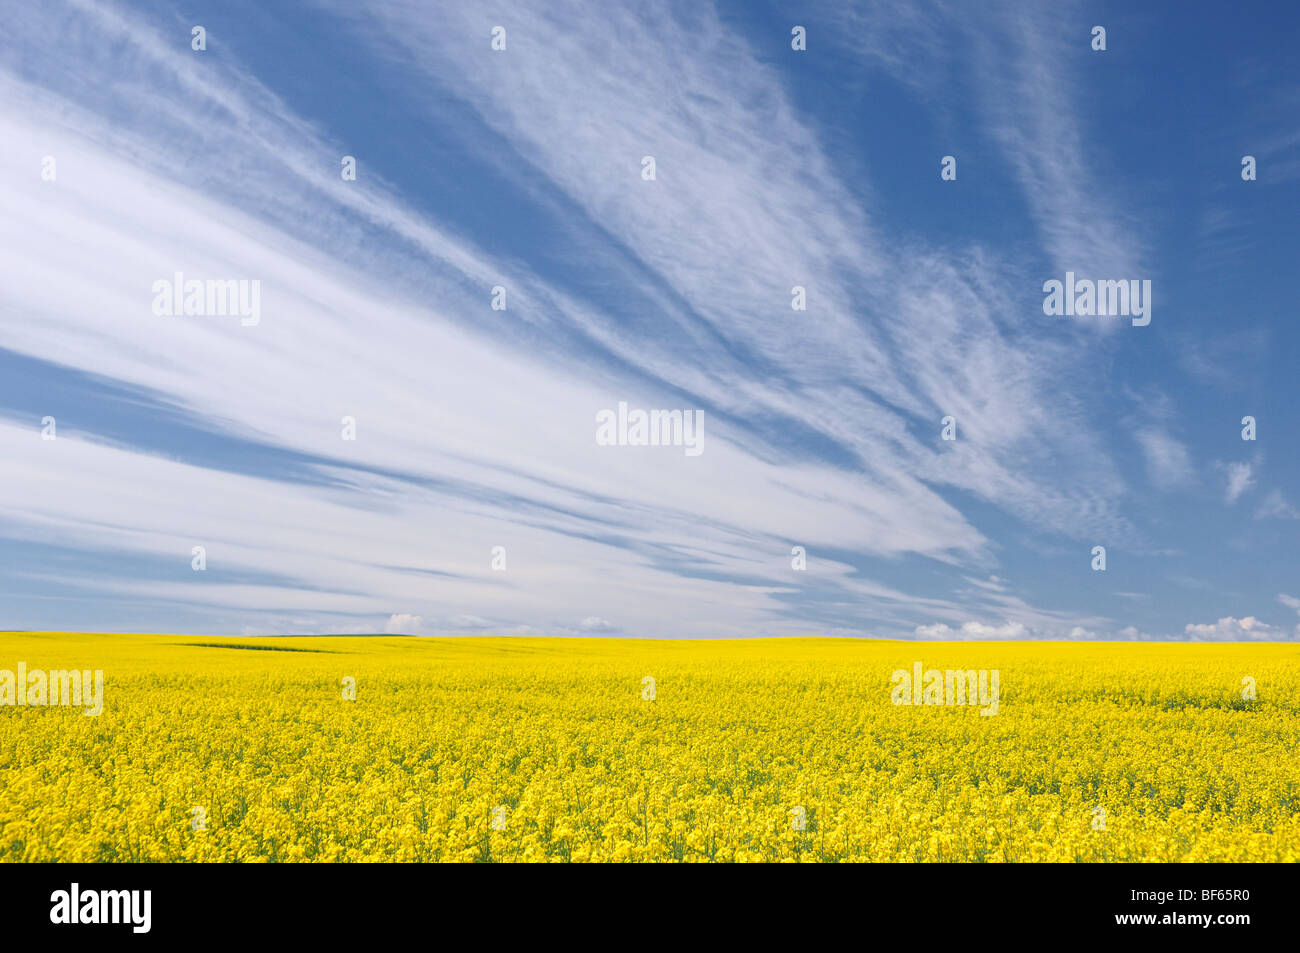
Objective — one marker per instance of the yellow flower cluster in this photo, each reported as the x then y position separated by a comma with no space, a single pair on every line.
647,750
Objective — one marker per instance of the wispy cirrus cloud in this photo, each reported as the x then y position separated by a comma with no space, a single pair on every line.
1276,506
475,426
744,184
1168,463
494,452
1240,478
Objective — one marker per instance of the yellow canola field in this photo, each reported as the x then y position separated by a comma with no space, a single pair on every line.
553,750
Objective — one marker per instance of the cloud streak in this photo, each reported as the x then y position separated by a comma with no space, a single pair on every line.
475,427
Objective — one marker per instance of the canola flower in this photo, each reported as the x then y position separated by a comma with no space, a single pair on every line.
560,750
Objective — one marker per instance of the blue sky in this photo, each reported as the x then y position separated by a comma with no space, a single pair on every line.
522,168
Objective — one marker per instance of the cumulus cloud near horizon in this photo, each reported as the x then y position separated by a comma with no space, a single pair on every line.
404,624
1245,629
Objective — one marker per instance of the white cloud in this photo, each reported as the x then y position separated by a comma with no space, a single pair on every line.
469,621
1008,56
1240,478
372,310
1278,507
976,630
404,624
763,200
508,466
1168,462
972,630
1132,633
1247,629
